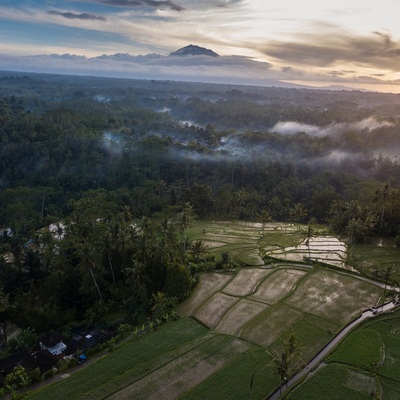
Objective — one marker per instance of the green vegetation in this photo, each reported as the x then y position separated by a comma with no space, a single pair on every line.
251,372
245,242
310,337
374,260
111,211
175,358
336,382
129,362
362,348
365,365
318,299
391,363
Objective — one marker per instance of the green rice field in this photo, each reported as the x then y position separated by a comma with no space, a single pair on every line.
235,321
365,365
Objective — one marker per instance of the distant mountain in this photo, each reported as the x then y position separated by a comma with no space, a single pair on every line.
194,50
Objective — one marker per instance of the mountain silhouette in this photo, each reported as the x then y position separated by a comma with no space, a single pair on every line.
194,50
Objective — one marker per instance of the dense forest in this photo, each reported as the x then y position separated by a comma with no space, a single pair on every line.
100,179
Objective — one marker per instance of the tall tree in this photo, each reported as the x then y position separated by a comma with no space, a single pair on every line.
89,260
383,195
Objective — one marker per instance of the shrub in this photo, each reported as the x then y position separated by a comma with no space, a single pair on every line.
35,375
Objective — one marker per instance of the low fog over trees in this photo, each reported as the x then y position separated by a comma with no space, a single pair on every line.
120,167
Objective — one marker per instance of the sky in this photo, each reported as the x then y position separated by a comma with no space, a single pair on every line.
352,43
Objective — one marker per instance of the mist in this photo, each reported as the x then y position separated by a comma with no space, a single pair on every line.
292,127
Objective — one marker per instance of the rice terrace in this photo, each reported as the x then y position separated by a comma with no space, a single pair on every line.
294,287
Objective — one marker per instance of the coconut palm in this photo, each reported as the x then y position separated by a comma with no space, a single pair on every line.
283,363
382,195
89,260
264,217
298,213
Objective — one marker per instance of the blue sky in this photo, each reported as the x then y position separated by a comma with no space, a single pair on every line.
354,43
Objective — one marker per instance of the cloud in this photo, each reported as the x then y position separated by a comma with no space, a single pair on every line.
227,3
240,70
144,3
223,69
292,71
377,50
83,16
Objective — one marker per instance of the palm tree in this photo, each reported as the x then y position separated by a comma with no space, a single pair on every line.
298,213
168,244
161,186
6,311
126,237
89,258
185,218
198,249
109,245
17,257
265,217
241,198
126,214
136,274
356,230
283,363
145,240
384,193
309,235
